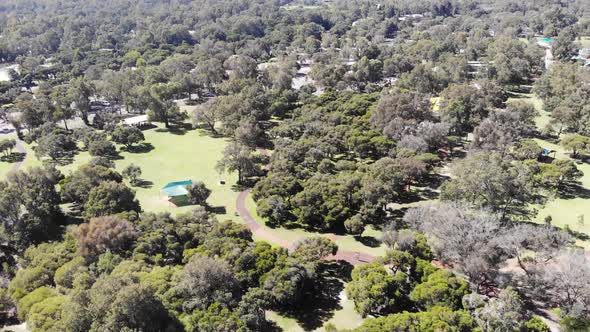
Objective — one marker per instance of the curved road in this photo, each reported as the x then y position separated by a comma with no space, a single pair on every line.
352,257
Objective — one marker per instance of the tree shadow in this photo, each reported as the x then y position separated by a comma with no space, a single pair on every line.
573,190
216,209
369,241
179,201
14,157
144,184
140,148
578,235
322,298
271,326
177,128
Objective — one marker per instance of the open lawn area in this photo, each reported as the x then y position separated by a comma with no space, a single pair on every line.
344,318
584,41
573,212
28,161
168,156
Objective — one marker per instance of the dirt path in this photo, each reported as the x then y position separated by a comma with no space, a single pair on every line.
20,149
352,257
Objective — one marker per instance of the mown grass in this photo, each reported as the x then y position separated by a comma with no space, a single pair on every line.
173,156
29,159
571,212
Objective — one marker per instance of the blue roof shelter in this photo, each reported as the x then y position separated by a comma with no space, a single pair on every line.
177,188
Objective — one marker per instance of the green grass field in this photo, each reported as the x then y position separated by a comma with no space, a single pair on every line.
563,211
29,161
344,318
584,41
174,157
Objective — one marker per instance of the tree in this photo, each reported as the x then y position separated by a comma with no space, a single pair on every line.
110,197
240,158
104,234
560,172
566,282
398,113
132,172
6,146
487,180
77,186
46,315
198,193
206,113
576,143
102,148
441,288
117,303
436,319
30,207
80,90
314,249
504,313
274,208
213,319
205,281
469,239
62,105
55,146
375,291
127,136
354,225
161,108
38,295
463,107
565,47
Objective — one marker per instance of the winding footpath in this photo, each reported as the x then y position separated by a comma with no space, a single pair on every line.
22,150
352,257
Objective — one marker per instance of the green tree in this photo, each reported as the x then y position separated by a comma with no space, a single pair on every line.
30,207
102,148
375,291
441,288
110,197
487,180
437,319
576,143
132,172
77,186
127,136
198,193
240,158
80,90
38,295
46,315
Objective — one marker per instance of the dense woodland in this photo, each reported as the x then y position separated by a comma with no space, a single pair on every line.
79,252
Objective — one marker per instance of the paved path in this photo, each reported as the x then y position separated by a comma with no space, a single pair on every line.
352,257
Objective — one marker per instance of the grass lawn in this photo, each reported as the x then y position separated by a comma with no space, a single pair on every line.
29,161
435,101
563,211
176,156
344,318
584,41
